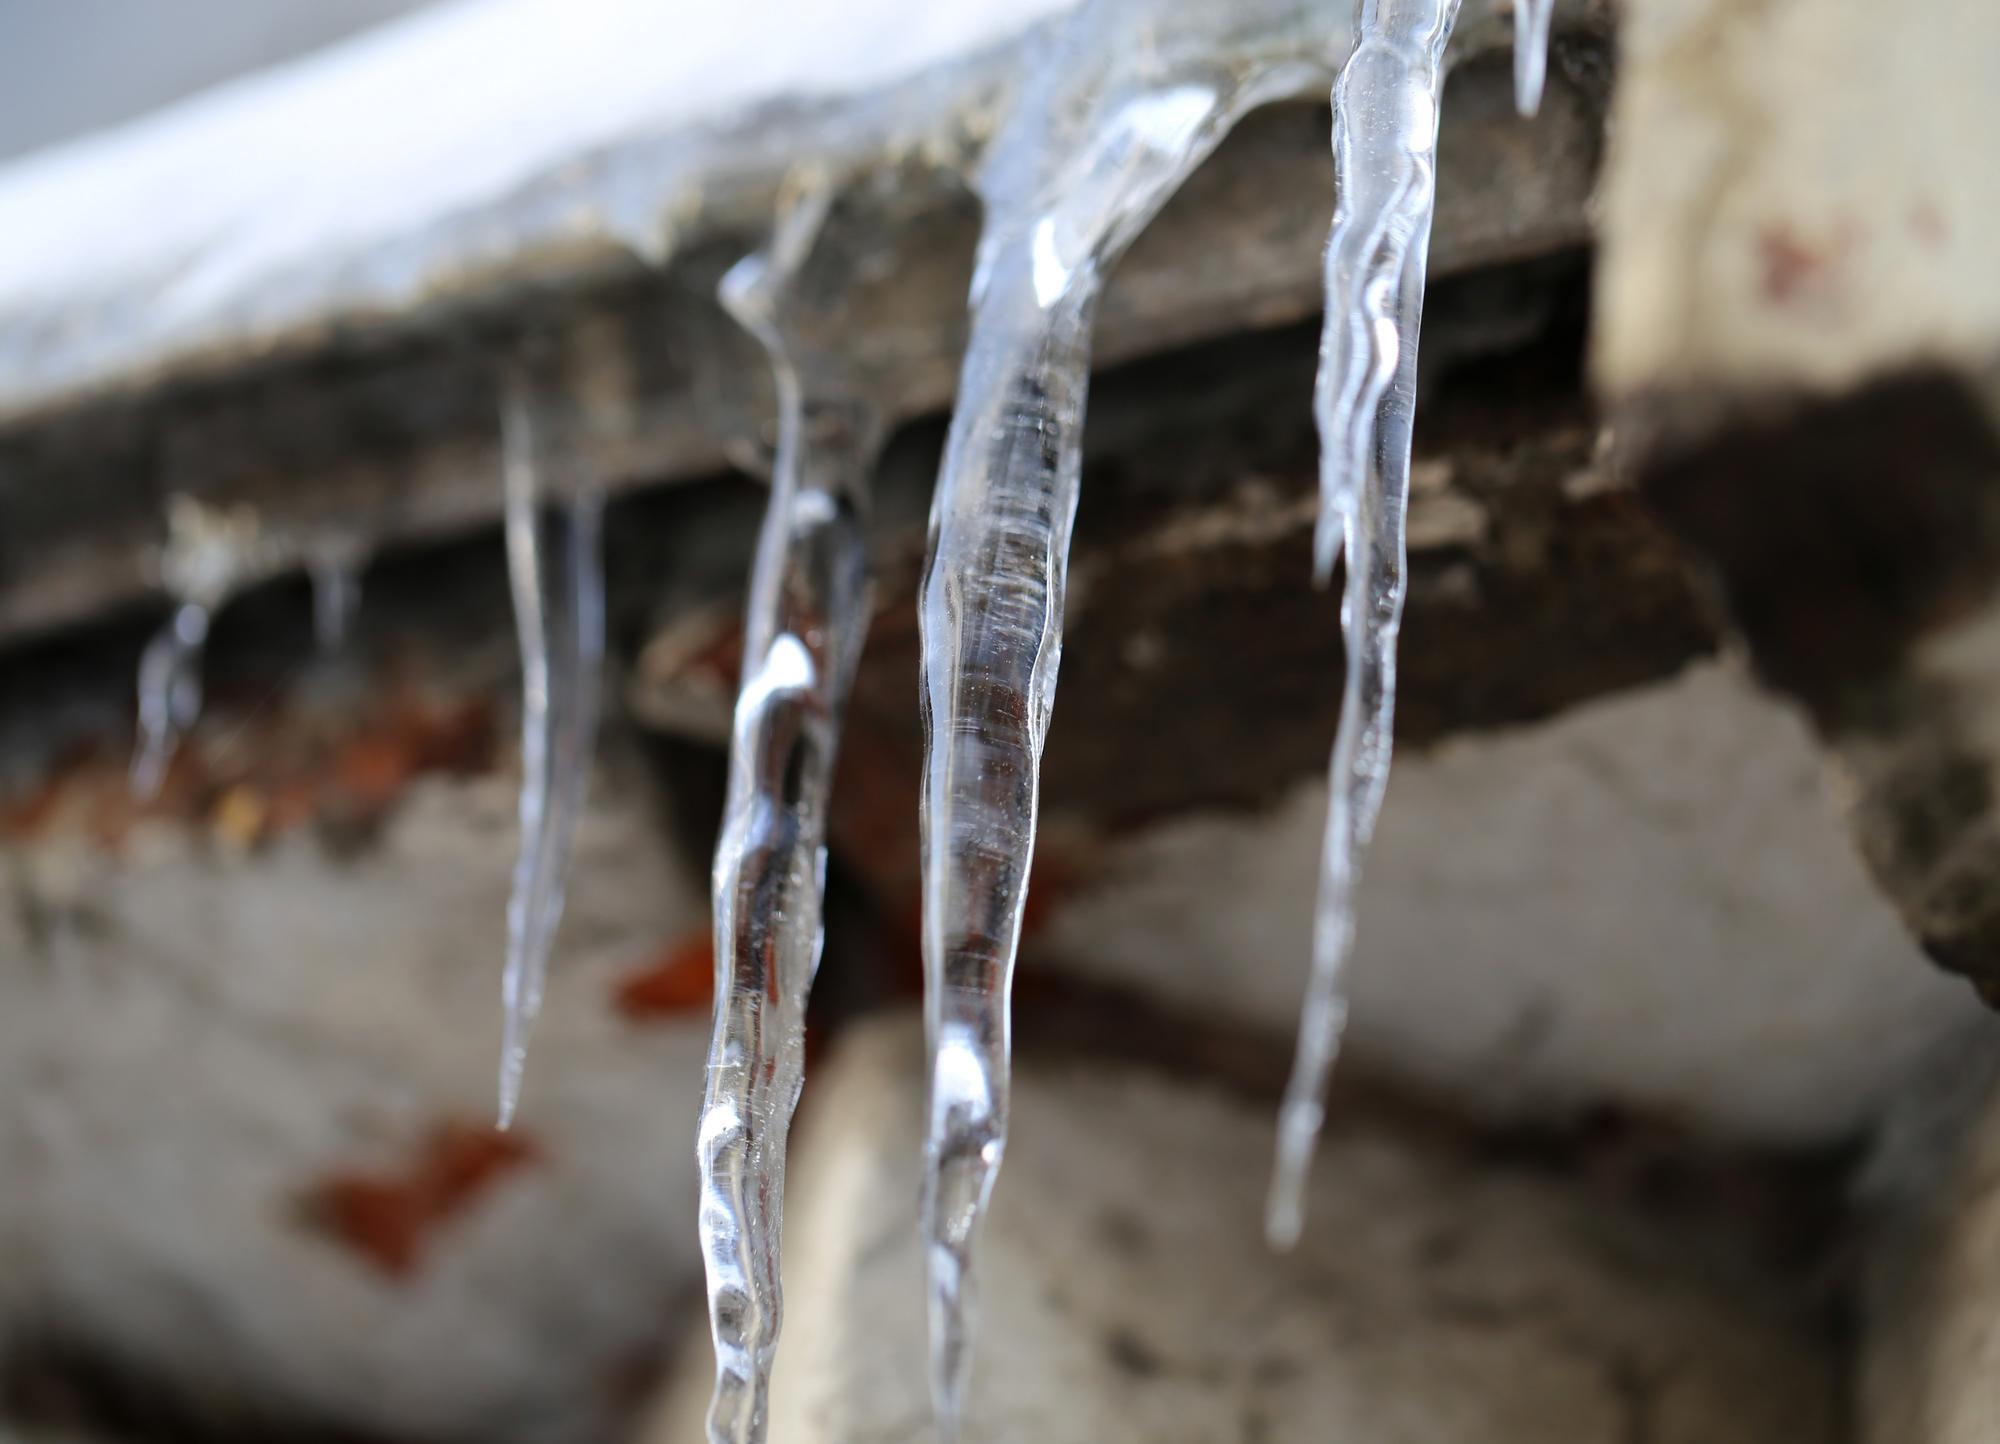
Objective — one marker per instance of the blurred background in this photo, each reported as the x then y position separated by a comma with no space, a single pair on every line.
1665,1114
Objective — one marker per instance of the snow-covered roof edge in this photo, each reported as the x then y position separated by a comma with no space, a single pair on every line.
419,161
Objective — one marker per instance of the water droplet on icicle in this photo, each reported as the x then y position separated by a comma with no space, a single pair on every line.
1531,52
1124,102
555,568
208,550
803,629
1385,107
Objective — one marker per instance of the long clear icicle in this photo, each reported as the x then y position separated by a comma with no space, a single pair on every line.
1385,127
803,631
206,552
1116,116
1531,52
555,567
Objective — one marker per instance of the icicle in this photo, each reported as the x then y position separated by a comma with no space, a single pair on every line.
206,553
1385,126
169,694
333,562
1116,117
1531,52
803,630
556,571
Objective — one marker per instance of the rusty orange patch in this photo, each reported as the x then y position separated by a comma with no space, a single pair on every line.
676,981
1796,266
289,770
386,1219
721,657
30,811
371,769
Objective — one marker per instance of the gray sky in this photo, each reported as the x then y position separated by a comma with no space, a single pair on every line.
68,66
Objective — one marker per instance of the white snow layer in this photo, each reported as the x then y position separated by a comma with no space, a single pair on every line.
142,243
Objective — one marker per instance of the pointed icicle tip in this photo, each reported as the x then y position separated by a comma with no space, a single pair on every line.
510,1096
948,1413
1532,19
1282,1224
1285,1207
513,1063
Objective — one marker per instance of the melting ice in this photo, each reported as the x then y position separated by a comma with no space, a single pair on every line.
556,573
1385,127
803,631
1123,102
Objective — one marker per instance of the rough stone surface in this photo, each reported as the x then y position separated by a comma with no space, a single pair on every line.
1788,200
1798,332
1650,899
248,1041
1128,1295
1929,1346
1857,541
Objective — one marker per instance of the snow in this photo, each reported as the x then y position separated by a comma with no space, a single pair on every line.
275,195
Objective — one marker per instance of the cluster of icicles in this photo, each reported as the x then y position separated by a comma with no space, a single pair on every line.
1102,135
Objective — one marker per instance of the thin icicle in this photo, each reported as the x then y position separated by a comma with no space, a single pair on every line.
1531,52
1385,126
803,630
1119,112
333,563
556,571
206,553
169,694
